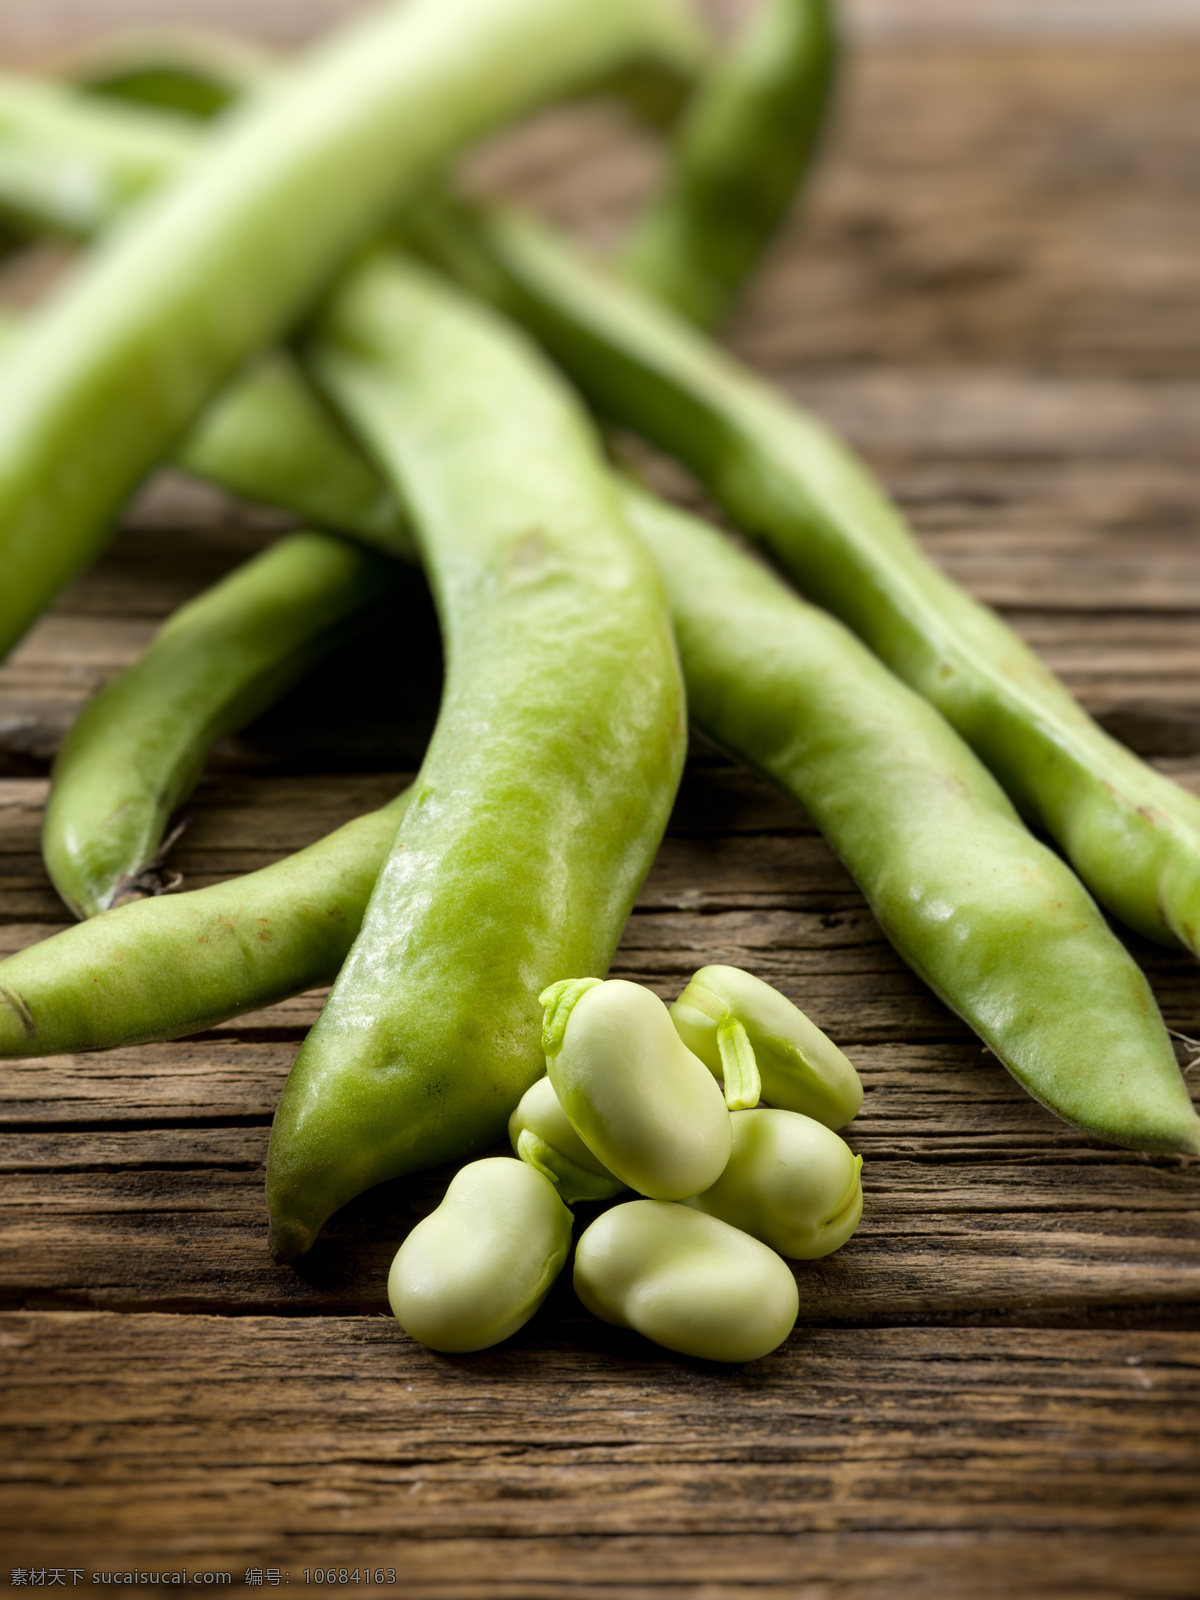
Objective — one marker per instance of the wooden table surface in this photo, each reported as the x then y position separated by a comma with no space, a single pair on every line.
995,1388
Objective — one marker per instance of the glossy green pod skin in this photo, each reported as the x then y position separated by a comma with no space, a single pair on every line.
636,1095
790,1182
686,1280
800,1068
1132,834
178,964
997,924
1104,1065
270,437
551,772
137,748
114,367
540,1132
738,158
475,1270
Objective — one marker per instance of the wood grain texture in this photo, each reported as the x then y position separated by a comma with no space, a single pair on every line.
995,1388
822,1462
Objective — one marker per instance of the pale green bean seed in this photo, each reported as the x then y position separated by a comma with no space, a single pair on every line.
477,1269
790,1181
541,1133
801,1068
686,1280
637,1096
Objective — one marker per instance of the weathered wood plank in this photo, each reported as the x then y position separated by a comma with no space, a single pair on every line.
352,1444
991,291
1015,1230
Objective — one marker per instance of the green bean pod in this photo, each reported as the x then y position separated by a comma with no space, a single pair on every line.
725,1014
476,1269
113,368
738,157
639,1099
686,1280
790,1181
540,1132
996,924
138,747
1132,834
69,166
1091,1046
177,964
551,772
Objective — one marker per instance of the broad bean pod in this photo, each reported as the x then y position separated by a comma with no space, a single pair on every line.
476,1269
552,768
68,166
739,155
177,964
727,1017
997,924
686,1280
115,365
1086,1040
790,1181
1131,833
644,1105
137,748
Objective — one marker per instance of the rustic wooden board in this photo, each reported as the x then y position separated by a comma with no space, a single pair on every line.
993,1388
595,1465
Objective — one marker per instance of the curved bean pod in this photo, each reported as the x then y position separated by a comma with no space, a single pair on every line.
1132,834
1124,1033
552,769
739,155
177,964
115,366
68,165
995,923
138,747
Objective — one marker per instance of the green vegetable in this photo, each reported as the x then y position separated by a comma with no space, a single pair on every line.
69,165
727,1016
1016,948
552,770
686,1280
180,963
636,1095
116,365
790,1181
739,156
541,1133
137,748
477,1269
1132,834
994,922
